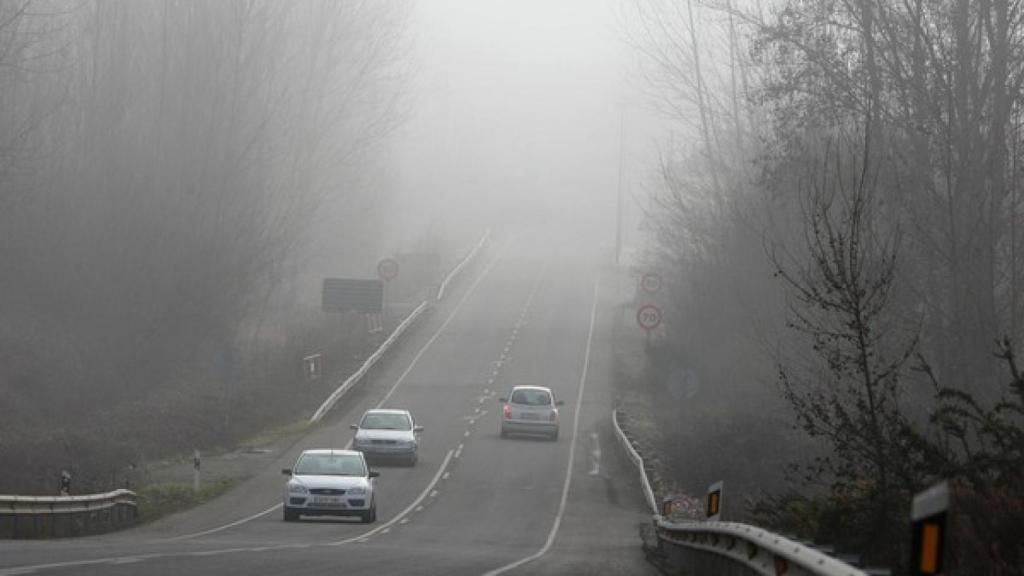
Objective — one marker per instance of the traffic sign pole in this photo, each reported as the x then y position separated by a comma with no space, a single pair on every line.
648,317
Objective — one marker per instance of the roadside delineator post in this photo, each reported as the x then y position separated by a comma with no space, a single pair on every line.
713,510
667,505
928,515
196,462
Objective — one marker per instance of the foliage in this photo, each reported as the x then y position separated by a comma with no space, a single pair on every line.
164,167
158,500
887,139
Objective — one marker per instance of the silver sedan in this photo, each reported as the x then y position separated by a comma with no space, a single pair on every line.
330,482
388,434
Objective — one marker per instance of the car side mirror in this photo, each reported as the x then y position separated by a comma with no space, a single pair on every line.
559,402
354,426
374,474
286,471
503,400
417,428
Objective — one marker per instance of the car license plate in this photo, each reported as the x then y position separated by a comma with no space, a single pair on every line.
328,501
528,416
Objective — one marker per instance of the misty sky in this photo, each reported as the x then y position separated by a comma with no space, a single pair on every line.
515,111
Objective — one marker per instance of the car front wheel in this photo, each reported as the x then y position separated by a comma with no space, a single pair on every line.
290,515
370,515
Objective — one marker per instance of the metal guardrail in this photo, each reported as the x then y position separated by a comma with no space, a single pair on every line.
462,264
369,363
56,516
692,547
352,380
645,483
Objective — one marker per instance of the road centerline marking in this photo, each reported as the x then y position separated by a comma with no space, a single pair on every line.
572,453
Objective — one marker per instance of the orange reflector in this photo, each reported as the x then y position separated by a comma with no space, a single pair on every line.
713,503
930,537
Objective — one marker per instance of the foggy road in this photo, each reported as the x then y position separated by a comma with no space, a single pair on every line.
474,503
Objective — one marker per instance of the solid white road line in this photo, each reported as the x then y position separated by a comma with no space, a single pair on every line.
228,525
572,452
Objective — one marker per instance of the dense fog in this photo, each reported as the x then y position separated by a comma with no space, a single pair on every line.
830,191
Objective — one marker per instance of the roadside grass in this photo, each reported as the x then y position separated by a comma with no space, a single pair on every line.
276,433
158,500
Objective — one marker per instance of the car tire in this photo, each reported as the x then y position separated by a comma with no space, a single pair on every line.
412,460
554,436
503,433
370,515
290,515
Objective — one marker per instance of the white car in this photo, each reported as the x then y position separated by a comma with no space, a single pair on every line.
387,434
330,482
530,410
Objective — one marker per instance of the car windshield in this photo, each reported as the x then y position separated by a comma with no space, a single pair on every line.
385,421
529,397
330,465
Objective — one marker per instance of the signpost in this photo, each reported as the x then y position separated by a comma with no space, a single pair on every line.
648,317
313,367
196,463
714,502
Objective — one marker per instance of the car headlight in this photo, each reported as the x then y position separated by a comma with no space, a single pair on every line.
356,491
297,489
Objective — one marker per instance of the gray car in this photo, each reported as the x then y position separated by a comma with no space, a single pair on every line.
530,410
385,434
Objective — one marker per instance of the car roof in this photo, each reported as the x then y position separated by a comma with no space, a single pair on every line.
333,451
385,411
531,387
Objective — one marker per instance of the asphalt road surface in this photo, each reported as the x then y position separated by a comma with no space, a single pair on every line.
475,503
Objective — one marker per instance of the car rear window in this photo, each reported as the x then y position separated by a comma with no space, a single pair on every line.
531,397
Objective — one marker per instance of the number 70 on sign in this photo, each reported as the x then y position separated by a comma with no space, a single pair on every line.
648,317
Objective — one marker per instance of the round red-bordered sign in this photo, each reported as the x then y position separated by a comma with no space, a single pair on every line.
387,269
648,317
650,283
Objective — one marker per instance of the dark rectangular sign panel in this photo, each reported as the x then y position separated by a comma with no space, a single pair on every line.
353,294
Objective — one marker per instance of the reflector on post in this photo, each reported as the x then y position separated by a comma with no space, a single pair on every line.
714,502
928,517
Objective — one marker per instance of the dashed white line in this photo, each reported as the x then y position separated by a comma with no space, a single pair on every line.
419,499
572,452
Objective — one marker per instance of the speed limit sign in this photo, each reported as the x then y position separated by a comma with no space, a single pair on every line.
387,269
650,283
648,317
